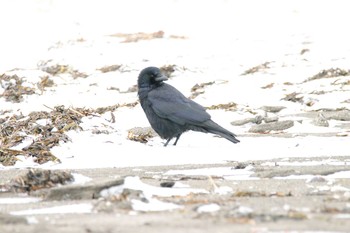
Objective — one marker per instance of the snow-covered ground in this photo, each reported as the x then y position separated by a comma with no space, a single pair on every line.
207,41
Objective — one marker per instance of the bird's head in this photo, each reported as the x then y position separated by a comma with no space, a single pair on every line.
150,77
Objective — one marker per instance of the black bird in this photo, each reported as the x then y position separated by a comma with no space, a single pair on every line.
169,112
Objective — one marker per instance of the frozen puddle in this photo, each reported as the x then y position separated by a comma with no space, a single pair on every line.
227,173
64,209
135,183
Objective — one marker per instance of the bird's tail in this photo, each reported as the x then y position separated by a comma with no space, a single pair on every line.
214,128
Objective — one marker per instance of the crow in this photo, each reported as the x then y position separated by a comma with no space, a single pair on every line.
169,112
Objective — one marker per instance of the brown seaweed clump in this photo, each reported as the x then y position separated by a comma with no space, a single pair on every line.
35,179
14,88
43,130
329,73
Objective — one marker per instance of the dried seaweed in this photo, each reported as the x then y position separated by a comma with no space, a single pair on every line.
303,51
14,89
109,68
167,70
178,37
135,37
293,97
112,108
15,129
257,68
268,86
199,89
8,156
133,88
56,69
45,82
141,134
329,73
231,106
45,130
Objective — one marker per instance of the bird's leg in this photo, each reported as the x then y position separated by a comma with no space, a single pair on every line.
177,139
167,142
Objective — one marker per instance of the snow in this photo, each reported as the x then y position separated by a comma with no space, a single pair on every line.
232,41
80,179
32,220
19,200
86,150
209,208
340,175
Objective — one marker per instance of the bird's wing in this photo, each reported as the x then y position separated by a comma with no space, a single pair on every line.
167,102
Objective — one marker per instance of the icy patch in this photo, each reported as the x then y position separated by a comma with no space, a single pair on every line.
226,172
64,209
306,163
308,178
149,192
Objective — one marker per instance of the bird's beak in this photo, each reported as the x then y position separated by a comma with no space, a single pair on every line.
161,78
